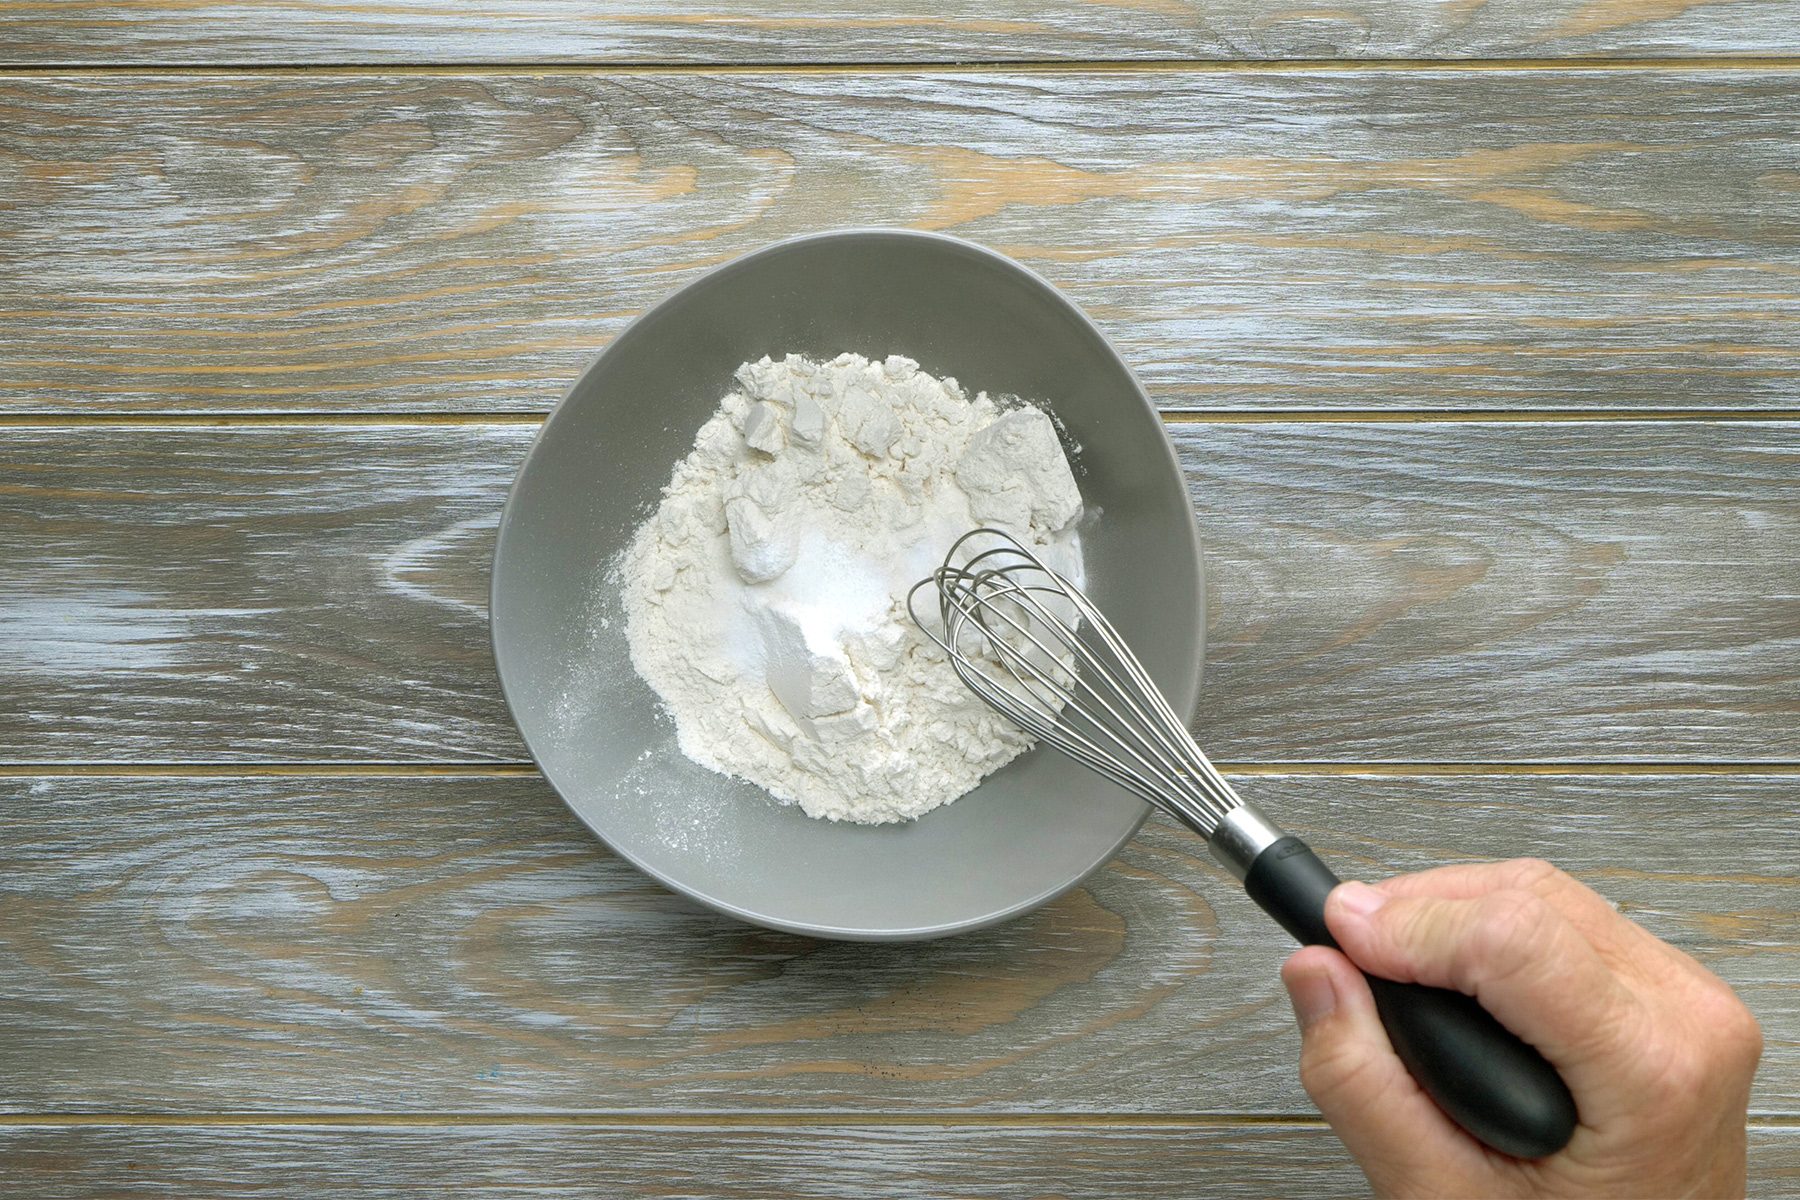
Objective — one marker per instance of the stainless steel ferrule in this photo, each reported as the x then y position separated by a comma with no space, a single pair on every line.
1243,834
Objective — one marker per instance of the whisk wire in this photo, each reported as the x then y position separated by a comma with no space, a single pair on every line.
1159,755
1146,690
1034,720
1179,756
1036,649
1023,669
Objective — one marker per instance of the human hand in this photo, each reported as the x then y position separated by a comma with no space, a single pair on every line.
1657,1051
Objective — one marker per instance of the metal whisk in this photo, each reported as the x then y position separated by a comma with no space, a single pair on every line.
1038,651
1031,644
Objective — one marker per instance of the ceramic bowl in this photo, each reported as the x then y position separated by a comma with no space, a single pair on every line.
1029,832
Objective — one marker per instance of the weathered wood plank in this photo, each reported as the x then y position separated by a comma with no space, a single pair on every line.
857,31
1293,241
1501,591
185,594
1400,591
693,1163
462,944
849,1162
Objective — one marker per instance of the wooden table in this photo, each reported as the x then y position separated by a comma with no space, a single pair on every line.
1477,326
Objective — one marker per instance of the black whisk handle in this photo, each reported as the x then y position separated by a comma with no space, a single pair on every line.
1492,1084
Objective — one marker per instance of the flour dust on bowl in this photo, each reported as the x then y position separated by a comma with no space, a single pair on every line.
1027,832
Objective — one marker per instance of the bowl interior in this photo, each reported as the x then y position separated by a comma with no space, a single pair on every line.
1031,830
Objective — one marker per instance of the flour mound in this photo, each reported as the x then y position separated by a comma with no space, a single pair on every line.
765,599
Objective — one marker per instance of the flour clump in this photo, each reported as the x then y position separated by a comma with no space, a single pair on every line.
765,598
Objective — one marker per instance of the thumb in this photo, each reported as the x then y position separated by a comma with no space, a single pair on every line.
1348,1067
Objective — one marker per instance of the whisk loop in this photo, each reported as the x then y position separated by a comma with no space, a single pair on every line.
1027,641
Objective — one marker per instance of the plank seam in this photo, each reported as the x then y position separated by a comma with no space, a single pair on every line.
714,1120
1198,66
155,420
519,769
1431,416
1177,416
699,1119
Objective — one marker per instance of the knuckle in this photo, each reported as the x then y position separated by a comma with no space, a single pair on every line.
1749,1033
1746,1047
1530,874
1735,1030
1546,879
1720,1054
1509,929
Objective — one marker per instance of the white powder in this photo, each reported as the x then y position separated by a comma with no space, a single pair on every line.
765,599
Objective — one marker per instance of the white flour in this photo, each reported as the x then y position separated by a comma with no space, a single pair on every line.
765,599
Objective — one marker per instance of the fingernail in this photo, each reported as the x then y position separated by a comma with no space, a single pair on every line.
1312,996
1359,899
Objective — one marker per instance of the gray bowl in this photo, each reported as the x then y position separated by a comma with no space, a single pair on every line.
1033,829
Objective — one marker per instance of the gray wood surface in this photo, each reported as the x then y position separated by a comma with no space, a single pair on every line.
1621,240
862,31
839,1162
309,955
294,944
1390,591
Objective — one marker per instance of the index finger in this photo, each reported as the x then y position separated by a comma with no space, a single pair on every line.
1622,941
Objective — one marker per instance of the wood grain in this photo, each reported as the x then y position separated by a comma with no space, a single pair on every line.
1500,592
851,1162
1390,591
1271,241
463,944
859,31
848,1162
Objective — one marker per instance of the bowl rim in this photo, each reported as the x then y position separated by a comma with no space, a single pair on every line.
1188,706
